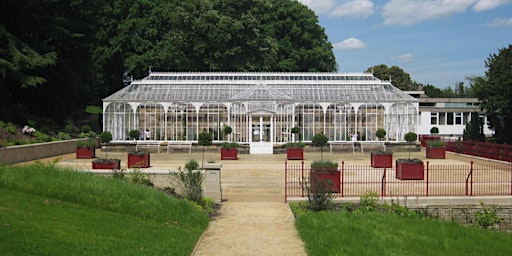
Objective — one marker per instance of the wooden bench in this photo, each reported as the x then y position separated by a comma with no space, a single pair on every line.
179,144
148,145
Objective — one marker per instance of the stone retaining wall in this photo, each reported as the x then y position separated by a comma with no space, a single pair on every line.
30,152
465,215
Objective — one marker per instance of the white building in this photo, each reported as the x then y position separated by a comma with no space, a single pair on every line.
261,108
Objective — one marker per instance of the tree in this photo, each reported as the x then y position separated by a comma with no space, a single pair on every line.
204,139
474,129
320,140
227,130
399,78
381,134
496,94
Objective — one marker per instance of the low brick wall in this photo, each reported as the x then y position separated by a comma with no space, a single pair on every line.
29,152
465,215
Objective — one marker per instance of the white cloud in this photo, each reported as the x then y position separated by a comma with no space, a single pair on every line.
408,12
351,8
407,57
355,8
319,6
350,44
484,5
498,22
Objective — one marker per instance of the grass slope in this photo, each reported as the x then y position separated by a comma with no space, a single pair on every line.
372,233
47,211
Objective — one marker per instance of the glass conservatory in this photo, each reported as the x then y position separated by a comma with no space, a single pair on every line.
261,108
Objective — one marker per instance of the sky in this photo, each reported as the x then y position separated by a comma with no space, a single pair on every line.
438,42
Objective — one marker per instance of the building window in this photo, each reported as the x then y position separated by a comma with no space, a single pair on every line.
433,118
449,118
442,118
458,118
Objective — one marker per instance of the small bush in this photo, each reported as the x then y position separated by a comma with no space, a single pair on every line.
295,145
68,128
140,178
63,136
85,129
11,128
105,137
487,217
436,144
134,134
368,202
2,124
191,182
324,165
228,145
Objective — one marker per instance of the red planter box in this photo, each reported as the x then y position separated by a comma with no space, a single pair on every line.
436,153
320,179
381,160
410,170
295,153
138,160
228,153
82,152
112,164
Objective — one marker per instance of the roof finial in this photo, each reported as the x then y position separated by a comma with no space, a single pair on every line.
390,78
149,69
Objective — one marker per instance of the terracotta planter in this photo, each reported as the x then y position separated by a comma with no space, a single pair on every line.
82,152
113,164
295,153
436,153
410,170
327,181
381,160
228,153
138,160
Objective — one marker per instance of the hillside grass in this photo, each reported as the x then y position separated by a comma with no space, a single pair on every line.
45,210
375,233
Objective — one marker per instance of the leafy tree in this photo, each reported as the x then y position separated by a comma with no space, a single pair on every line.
496,93
320,140
399,78
432,91
474,129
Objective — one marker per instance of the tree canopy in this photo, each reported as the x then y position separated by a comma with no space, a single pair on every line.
398,76
57,56
495,92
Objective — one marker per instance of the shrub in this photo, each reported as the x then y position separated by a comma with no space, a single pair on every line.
190,182
228,145
368,202
68,128
487,217
295,145
324,165
105,137
85,144
134,134
63,136
11,128
2,124
85,129
436,144
319,198
434,130
140,178
381,133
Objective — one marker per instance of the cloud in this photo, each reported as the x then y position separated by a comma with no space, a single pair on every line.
498,22
350,44
355,8
319,6
351,8
484,5
409,12
407,57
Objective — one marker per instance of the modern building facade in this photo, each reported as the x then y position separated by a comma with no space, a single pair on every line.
261,108
449,115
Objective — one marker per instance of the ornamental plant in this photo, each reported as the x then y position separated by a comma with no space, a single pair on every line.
295,144
436,144
410,137
320,140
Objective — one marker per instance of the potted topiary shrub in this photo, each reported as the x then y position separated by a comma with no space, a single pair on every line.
139,159
229,151
436,149
409,169
381,159
434,131
295,150
325,177
324,174
204,139
86,149
106,163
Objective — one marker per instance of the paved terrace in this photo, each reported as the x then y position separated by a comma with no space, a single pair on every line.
254,220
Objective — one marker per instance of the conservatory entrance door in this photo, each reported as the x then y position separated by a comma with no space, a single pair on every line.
261,134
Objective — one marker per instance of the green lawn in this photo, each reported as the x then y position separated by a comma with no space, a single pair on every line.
46,211
374,233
